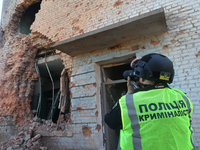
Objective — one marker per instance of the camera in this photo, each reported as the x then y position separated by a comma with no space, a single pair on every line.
131,74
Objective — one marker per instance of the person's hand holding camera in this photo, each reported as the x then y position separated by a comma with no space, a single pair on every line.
130,88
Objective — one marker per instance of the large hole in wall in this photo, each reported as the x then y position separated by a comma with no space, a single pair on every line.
47,101
28,18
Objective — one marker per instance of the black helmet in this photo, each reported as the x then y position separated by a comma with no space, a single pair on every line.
154,67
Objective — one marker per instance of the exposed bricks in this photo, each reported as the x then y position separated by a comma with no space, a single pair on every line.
98,127
17,80
19,75
86,131
117,3
13,24
154,42
136,47
198,54
23,140
165,48
79,109
96,113
72,18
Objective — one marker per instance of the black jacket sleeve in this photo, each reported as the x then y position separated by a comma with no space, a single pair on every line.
113,117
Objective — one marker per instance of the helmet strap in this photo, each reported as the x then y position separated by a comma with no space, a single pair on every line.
156,86
141,85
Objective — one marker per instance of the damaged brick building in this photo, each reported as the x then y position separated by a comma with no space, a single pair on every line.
61,65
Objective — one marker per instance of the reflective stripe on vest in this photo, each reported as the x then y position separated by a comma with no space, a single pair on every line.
152,121
134,122
134,139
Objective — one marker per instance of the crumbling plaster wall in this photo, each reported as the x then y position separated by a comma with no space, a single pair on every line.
59,20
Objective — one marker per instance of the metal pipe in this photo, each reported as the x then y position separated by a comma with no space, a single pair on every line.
52,84
40,95
57,98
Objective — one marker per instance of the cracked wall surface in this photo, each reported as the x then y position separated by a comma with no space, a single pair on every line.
18,74
59,20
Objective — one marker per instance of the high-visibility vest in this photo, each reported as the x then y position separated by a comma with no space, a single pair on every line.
158,119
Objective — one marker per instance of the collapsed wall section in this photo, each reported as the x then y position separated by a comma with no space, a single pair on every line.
12,13
18,74
18,77
19,52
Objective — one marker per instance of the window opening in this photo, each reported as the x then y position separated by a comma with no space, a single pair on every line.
114,86
28,18
51,99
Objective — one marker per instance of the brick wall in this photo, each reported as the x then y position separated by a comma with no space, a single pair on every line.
180,43
60,20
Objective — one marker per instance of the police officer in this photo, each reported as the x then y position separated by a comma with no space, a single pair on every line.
152,116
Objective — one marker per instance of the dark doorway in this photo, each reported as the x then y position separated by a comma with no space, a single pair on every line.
114,86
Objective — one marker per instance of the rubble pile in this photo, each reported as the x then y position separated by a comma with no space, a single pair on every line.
24,141
47,127
30,137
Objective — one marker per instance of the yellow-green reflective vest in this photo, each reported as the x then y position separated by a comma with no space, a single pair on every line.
158,119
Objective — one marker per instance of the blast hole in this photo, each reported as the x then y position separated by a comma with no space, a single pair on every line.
45,110
28,18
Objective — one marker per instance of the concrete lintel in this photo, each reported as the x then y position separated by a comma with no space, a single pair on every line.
51,58
147,24
54,63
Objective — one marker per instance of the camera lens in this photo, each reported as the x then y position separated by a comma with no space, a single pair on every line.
131,74
128,73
